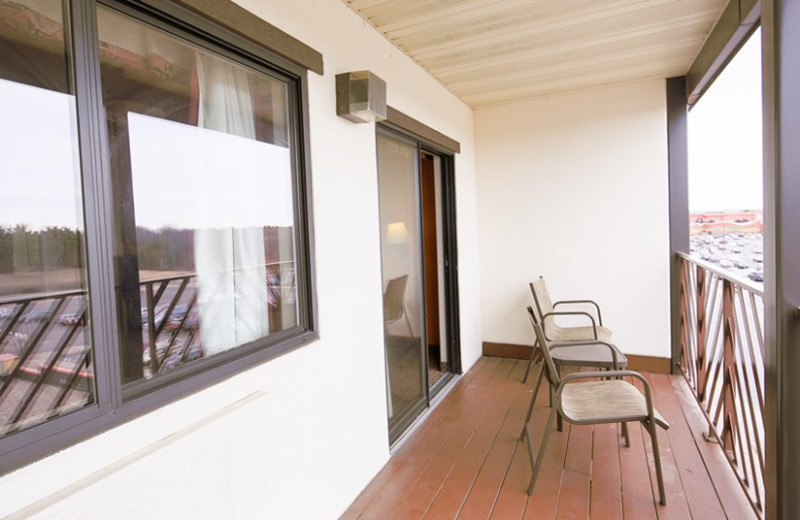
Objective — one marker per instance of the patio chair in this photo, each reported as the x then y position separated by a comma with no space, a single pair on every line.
394,307
589,356
607,398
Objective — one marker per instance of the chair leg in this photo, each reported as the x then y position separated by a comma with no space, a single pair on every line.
651,427
536,462
626,435
533,400
531,360
559,422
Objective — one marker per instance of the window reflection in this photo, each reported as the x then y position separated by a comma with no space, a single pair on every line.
202,176
46,365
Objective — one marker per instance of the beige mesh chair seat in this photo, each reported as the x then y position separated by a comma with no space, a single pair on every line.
607,401
593,398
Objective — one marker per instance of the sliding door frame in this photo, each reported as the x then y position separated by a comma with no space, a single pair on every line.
450,261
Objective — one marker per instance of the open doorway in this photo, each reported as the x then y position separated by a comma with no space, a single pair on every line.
431,192
417,254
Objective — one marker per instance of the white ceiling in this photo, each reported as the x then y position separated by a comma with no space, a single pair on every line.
493,52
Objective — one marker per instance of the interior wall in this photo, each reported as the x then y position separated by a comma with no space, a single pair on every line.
574,188
301,435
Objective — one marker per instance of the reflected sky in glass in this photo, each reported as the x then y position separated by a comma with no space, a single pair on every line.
39,179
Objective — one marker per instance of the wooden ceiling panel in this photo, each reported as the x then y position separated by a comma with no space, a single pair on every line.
491,52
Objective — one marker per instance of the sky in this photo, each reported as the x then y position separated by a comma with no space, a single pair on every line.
725,160
183,176
189,177
725,130
39,177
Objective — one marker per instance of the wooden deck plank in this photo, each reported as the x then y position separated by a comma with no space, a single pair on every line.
413,459
465,461
676,507
512,499
573,501
688,465
543,502
605,501
459,482
731,496
460,399
638,499
484,493
420,495
579,450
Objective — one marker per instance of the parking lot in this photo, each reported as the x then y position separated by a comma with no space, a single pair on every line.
742,254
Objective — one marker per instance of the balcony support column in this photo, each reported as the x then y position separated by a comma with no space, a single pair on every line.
781,84
677,144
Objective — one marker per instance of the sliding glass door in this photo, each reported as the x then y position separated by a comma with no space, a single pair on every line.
418,251
403,297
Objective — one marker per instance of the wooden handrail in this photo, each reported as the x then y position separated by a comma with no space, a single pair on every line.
724,273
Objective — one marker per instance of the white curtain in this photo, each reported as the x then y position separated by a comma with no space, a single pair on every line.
229,257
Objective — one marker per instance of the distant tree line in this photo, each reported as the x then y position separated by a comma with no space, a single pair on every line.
23,249
172,249
166,249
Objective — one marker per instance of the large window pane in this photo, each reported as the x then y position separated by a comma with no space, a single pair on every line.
401,257
202,176
45,348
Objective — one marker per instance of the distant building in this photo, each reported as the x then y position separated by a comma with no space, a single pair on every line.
721,222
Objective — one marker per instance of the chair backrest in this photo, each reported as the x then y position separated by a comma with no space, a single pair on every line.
544,345
541,298
393,299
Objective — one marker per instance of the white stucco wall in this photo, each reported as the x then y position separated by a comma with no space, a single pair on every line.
574,188
299,436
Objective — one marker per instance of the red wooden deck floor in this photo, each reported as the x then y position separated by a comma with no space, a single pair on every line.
464,461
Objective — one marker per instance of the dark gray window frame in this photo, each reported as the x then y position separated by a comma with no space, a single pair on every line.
114,404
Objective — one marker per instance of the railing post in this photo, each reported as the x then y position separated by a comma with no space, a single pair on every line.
729,424
684,361
701,333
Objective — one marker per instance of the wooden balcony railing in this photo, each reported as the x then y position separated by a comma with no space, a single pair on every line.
46,367
722,339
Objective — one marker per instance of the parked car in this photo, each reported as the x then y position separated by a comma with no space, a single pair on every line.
71,319
159,317
191,321
35,316
756,276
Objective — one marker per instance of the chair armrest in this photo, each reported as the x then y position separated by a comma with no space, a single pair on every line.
613,348
570,302
568,313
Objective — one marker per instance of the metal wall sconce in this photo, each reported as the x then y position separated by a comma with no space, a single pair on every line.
360,96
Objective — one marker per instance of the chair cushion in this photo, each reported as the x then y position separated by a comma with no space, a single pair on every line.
606,401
